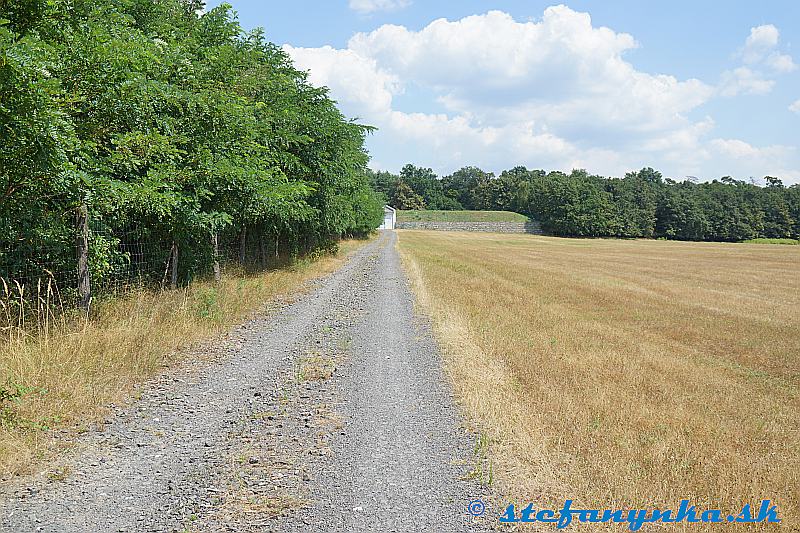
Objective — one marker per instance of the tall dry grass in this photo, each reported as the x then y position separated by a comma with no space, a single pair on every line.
623,374
63,370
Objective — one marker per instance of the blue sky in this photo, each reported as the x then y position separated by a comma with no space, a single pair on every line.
691,88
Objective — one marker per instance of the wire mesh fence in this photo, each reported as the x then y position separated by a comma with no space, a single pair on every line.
81,259
26,261
125,258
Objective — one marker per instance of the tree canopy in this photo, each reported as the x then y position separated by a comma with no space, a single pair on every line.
170,118
641,204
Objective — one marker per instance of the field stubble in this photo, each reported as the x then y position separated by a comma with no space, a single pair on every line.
622,374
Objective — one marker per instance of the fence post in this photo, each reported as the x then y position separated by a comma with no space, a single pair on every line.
242,245
262,249
82,247
215,247
174,265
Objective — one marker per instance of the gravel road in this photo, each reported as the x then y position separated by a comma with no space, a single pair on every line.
327,413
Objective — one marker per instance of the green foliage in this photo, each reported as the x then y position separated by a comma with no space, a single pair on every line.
207,305
175,121
405,198
791,242
11,395
640,205
460,216
573,205
423,182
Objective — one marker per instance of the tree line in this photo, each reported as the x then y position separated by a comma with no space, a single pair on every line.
642,204
169,119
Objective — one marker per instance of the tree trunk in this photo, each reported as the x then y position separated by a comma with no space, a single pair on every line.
215,247
242,245
262,249
82,245
174,264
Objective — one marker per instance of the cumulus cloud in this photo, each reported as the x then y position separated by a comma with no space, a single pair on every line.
561,67
759,56
780,63
743,80
759,48
795,106
364,89
555,93
371,6
749,160
741,150
762,40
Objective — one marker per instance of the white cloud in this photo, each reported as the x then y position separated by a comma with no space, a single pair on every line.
795,106
554,93
761,40
780,63
356,81
748,160
561,71
743,80
758,54
371,6
742,150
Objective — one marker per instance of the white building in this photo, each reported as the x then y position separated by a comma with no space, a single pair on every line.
389,218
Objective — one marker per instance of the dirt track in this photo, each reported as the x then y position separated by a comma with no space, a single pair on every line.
331,414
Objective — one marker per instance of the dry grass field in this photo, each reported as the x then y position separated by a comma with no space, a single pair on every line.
623,373
72,368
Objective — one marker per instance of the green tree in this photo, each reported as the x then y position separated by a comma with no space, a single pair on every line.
460,185
407,199
426,184
573,205
171,120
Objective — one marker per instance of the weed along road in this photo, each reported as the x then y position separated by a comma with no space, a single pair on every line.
329,413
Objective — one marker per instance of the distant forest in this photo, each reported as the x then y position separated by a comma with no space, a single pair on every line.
579,204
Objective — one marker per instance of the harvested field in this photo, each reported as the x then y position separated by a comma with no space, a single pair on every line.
623,373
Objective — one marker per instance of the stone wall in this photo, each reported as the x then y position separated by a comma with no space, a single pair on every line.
492,227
